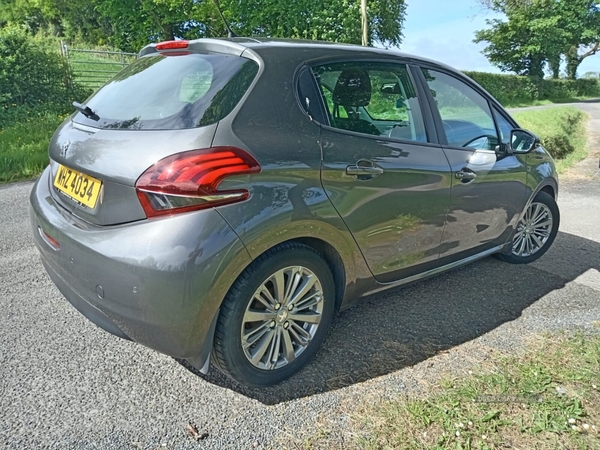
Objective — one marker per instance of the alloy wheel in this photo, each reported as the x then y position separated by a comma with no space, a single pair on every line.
282,317
533,231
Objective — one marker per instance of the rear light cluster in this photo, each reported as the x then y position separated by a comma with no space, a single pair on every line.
188,181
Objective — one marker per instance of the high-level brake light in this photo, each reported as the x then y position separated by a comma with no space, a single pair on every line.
169,45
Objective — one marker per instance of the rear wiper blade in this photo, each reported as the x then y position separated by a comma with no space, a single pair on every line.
86,111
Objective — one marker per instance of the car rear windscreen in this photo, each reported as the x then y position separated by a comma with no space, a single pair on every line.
159,92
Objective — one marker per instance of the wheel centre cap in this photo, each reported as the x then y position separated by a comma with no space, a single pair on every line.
282,315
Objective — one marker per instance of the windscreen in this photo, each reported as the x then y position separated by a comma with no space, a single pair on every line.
171,92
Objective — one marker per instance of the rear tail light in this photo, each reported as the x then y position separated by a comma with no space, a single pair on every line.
188,181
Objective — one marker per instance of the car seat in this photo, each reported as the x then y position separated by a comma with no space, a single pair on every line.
352,91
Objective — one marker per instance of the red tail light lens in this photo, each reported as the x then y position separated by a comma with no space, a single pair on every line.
188,181
169,45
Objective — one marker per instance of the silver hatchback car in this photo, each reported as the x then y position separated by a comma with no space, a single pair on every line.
219,200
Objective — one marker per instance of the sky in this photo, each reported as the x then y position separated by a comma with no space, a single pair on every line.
444,30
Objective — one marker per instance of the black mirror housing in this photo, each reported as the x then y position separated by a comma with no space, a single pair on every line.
523,141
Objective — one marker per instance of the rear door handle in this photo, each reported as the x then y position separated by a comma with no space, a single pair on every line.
465,175
363,170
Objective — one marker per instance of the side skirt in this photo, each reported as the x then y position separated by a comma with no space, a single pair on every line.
437,270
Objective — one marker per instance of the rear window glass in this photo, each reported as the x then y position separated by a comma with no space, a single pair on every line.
172,92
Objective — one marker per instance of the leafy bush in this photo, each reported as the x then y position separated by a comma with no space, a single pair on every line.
514,89
561,129
33,76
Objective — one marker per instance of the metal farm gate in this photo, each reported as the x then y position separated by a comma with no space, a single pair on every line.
93,68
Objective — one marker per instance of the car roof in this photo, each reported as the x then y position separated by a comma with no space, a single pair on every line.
310,49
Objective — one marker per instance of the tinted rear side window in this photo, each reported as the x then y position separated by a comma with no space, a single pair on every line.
172,92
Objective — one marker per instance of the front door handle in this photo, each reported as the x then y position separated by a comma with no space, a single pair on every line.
465,175
361,168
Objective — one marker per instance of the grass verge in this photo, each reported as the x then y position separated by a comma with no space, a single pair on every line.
562,130
547,398
24,147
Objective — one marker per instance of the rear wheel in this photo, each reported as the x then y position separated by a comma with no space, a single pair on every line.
535,231
275,316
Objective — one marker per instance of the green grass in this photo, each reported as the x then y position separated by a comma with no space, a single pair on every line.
547,398
562,130
24,147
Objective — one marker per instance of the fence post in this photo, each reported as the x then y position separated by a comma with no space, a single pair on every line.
64,51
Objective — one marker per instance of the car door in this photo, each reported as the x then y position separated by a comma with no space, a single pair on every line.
383,169
488,184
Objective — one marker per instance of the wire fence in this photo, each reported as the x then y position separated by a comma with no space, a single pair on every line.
93,68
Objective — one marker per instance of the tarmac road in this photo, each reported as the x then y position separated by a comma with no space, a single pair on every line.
66,384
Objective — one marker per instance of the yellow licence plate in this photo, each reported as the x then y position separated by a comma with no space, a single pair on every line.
79,186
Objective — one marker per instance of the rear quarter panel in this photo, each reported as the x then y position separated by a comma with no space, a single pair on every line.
287,198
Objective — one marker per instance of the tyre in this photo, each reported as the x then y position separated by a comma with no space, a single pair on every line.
535,231
275,316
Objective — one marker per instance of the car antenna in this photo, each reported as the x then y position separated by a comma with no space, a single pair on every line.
230,33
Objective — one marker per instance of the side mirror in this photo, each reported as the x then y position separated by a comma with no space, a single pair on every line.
523,141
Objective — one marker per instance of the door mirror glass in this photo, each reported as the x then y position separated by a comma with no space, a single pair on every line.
522,141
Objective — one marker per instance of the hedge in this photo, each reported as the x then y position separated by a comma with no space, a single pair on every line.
514,89
34,78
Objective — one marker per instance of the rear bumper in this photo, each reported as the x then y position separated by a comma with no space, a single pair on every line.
157,282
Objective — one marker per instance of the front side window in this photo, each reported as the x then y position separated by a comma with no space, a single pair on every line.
465,114
172,92
376,99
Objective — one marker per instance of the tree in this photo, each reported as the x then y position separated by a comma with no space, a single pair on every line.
72,19
335,20
30,72
541,32
131,24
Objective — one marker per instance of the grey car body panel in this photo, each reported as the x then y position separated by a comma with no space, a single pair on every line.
183,266
118,158
398,217
483,212
288,199
161,289
541,172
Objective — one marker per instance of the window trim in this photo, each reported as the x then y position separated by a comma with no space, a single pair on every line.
428,123
300,70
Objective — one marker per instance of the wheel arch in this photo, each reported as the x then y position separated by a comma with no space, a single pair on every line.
549,186
333,260
548,189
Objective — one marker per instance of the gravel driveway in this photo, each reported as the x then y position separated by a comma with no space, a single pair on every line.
66,384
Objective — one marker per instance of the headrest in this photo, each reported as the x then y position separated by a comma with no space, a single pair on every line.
353,88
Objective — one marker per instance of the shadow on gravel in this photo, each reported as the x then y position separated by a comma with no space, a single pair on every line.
402,327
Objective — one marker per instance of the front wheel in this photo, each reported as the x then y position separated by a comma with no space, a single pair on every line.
275,316
535,231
